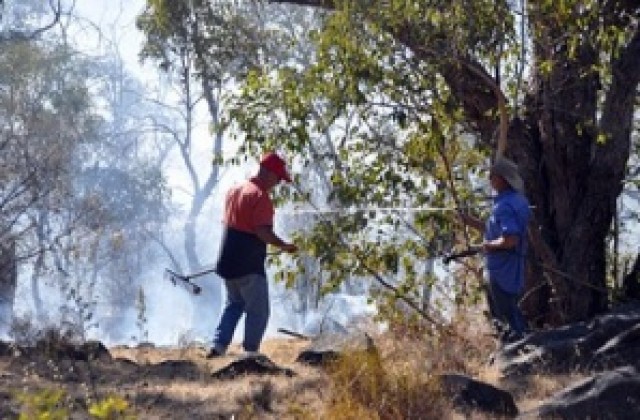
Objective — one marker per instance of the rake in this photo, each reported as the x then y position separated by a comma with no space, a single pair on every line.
185,279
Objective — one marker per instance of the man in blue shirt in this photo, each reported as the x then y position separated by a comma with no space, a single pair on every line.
505,248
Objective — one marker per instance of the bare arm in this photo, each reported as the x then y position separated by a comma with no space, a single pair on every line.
266,234
501,243
498,244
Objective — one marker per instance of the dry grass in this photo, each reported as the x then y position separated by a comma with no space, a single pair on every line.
397,381
366,386
246,397
401,379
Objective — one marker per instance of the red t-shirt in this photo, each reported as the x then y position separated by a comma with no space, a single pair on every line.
248,206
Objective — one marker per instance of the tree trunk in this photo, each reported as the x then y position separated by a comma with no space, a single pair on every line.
36,296
631,282
8,281
572,177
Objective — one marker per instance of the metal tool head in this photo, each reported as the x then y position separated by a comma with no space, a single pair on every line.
169,275
185,281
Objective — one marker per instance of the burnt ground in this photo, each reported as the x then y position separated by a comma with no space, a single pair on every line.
163,383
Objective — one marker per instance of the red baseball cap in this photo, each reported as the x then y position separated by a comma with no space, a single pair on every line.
275,164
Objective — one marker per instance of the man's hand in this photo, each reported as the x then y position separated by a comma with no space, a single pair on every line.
477,247
266,234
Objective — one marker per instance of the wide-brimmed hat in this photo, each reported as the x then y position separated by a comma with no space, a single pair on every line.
275,164
508,170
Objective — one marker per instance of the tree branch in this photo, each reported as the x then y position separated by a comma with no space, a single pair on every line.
472,86
617,113
30,36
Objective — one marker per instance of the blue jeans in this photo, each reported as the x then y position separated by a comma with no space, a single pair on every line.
249,295
504,309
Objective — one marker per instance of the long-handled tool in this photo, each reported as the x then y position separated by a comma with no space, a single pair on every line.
294,334
465,253
185,280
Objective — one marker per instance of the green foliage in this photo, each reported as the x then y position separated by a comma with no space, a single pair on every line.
47,115
111,408
374,117
50,404
574,30
45,404
378,126
374,111
217,39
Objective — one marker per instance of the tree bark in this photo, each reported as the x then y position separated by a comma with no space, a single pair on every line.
8,281
631,282
572,178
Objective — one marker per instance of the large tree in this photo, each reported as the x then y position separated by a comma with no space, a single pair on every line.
558,80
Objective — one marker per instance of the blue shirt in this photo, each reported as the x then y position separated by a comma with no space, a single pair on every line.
510,216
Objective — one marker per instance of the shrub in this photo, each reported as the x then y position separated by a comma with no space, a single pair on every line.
45,404
365,386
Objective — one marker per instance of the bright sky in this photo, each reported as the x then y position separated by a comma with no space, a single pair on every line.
116,20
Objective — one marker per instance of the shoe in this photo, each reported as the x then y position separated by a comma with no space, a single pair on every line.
215,352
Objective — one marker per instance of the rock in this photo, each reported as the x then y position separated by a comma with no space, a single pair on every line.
93,350
123,361
612,395
314,357
9,349
621,349
468,394
57,349
608,341
252,364
328,347
173,369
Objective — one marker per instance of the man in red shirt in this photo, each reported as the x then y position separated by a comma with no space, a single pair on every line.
248,221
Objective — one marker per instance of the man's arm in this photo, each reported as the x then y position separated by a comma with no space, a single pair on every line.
502,243
266,234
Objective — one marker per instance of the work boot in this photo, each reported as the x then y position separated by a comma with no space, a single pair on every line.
215,352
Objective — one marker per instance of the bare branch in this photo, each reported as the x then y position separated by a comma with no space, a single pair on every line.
56,8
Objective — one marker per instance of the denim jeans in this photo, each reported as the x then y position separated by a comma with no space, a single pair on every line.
504,309
245,295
